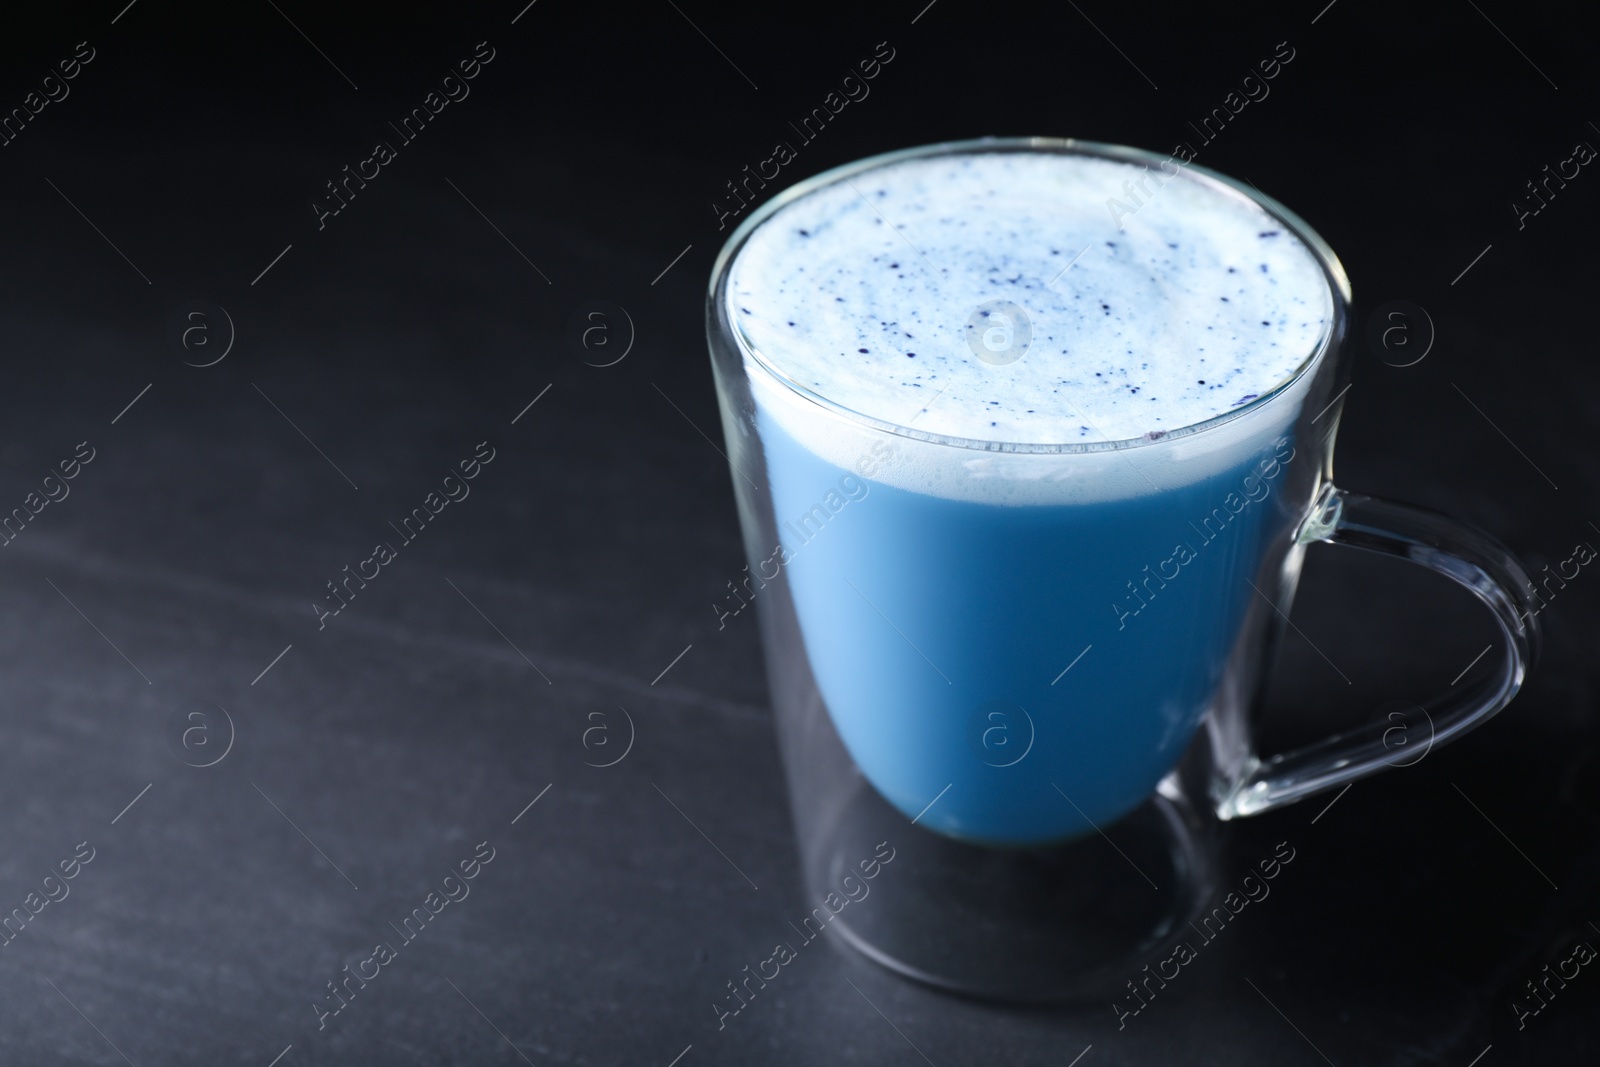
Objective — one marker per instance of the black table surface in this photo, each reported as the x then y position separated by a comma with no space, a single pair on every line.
159,613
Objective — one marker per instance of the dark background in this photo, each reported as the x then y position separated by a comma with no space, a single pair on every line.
408,330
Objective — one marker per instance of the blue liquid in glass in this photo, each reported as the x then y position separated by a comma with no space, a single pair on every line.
938,629
942,604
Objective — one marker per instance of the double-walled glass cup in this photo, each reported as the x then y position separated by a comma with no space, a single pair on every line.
1030,795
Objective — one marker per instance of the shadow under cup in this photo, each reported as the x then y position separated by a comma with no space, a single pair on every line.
1036,708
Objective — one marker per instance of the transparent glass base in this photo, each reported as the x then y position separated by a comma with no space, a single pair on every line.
1063,922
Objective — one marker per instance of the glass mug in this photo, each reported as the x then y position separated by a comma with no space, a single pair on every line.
950,691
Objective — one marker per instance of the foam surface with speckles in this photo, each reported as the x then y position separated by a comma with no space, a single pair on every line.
862,292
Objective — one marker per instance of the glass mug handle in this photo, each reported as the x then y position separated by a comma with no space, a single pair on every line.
1468,557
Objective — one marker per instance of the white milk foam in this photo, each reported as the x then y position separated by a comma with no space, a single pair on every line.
861,291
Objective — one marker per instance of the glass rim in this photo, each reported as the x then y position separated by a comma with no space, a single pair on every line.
1338,285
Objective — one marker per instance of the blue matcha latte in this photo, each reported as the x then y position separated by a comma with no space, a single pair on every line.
996,366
